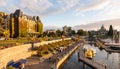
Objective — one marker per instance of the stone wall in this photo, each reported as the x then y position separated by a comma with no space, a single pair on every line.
18,52
65,57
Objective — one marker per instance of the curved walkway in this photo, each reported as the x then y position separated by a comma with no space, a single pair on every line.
35,62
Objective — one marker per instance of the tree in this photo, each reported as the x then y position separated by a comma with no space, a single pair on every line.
2,14
73,32
6,34
110,32
1,31
44,34
63,32
59,33
2,24
51,34
1,19
81,32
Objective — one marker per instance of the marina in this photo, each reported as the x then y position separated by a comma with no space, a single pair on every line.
102,59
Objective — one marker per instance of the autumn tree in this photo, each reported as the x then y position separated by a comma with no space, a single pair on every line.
6,34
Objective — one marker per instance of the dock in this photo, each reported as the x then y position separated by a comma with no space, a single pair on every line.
106,48
89,62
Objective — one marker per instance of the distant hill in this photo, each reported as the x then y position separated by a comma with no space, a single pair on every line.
92,26
95,26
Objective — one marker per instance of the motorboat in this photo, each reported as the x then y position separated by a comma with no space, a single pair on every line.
90,53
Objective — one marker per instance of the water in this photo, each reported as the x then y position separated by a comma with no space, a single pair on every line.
112,60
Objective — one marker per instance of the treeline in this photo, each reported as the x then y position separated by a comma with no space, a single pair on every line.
60,33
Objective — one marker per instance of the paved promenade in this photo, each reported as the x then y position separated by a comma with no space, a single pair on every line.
37,63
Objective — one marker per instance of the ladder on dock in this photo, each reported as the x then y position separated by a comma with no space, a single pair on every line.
91,63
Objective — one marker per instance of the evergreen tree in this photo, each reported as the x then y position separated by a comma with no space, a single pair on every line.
110,32
59,33
73,32
81,32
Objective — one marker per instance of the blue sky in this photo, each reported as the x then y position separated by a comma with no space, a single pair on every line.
65,12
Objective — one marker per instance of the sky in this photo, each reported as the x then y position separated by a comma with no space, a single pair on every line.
65,12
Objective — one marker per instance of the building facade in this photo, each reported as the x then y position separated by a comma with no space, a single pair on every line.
22,25
102,31
50,31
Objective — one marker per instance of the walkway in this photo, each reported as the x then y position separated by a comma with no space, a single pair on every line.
35,63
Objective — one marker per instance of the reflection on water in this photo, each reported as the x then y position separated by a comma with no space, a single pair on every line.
112,60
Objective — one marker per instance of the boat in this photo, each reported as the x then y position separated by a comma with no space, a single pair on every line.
115,47
90,53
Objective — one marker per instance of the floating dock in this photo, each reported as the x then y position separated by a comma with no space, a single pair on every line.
90,62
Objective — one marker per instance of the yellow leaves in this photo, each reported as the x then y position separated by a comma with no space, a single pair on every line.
6,33
2,14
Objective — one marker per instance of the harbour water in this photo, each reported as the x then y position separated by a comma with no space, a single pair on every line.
112,60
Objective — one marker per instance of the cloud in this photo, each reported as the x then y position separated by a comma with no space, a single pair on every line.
47,7
36,6
112,11
94,5
3,3
53,7
67,4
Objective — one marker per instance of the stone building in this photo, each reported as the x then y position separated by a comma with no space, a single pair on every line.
22,25
102,31
67,30
50,31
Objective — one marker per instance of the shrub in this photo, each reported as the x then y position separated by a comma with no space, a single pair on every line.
10,67
45,52
39,53
50,49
